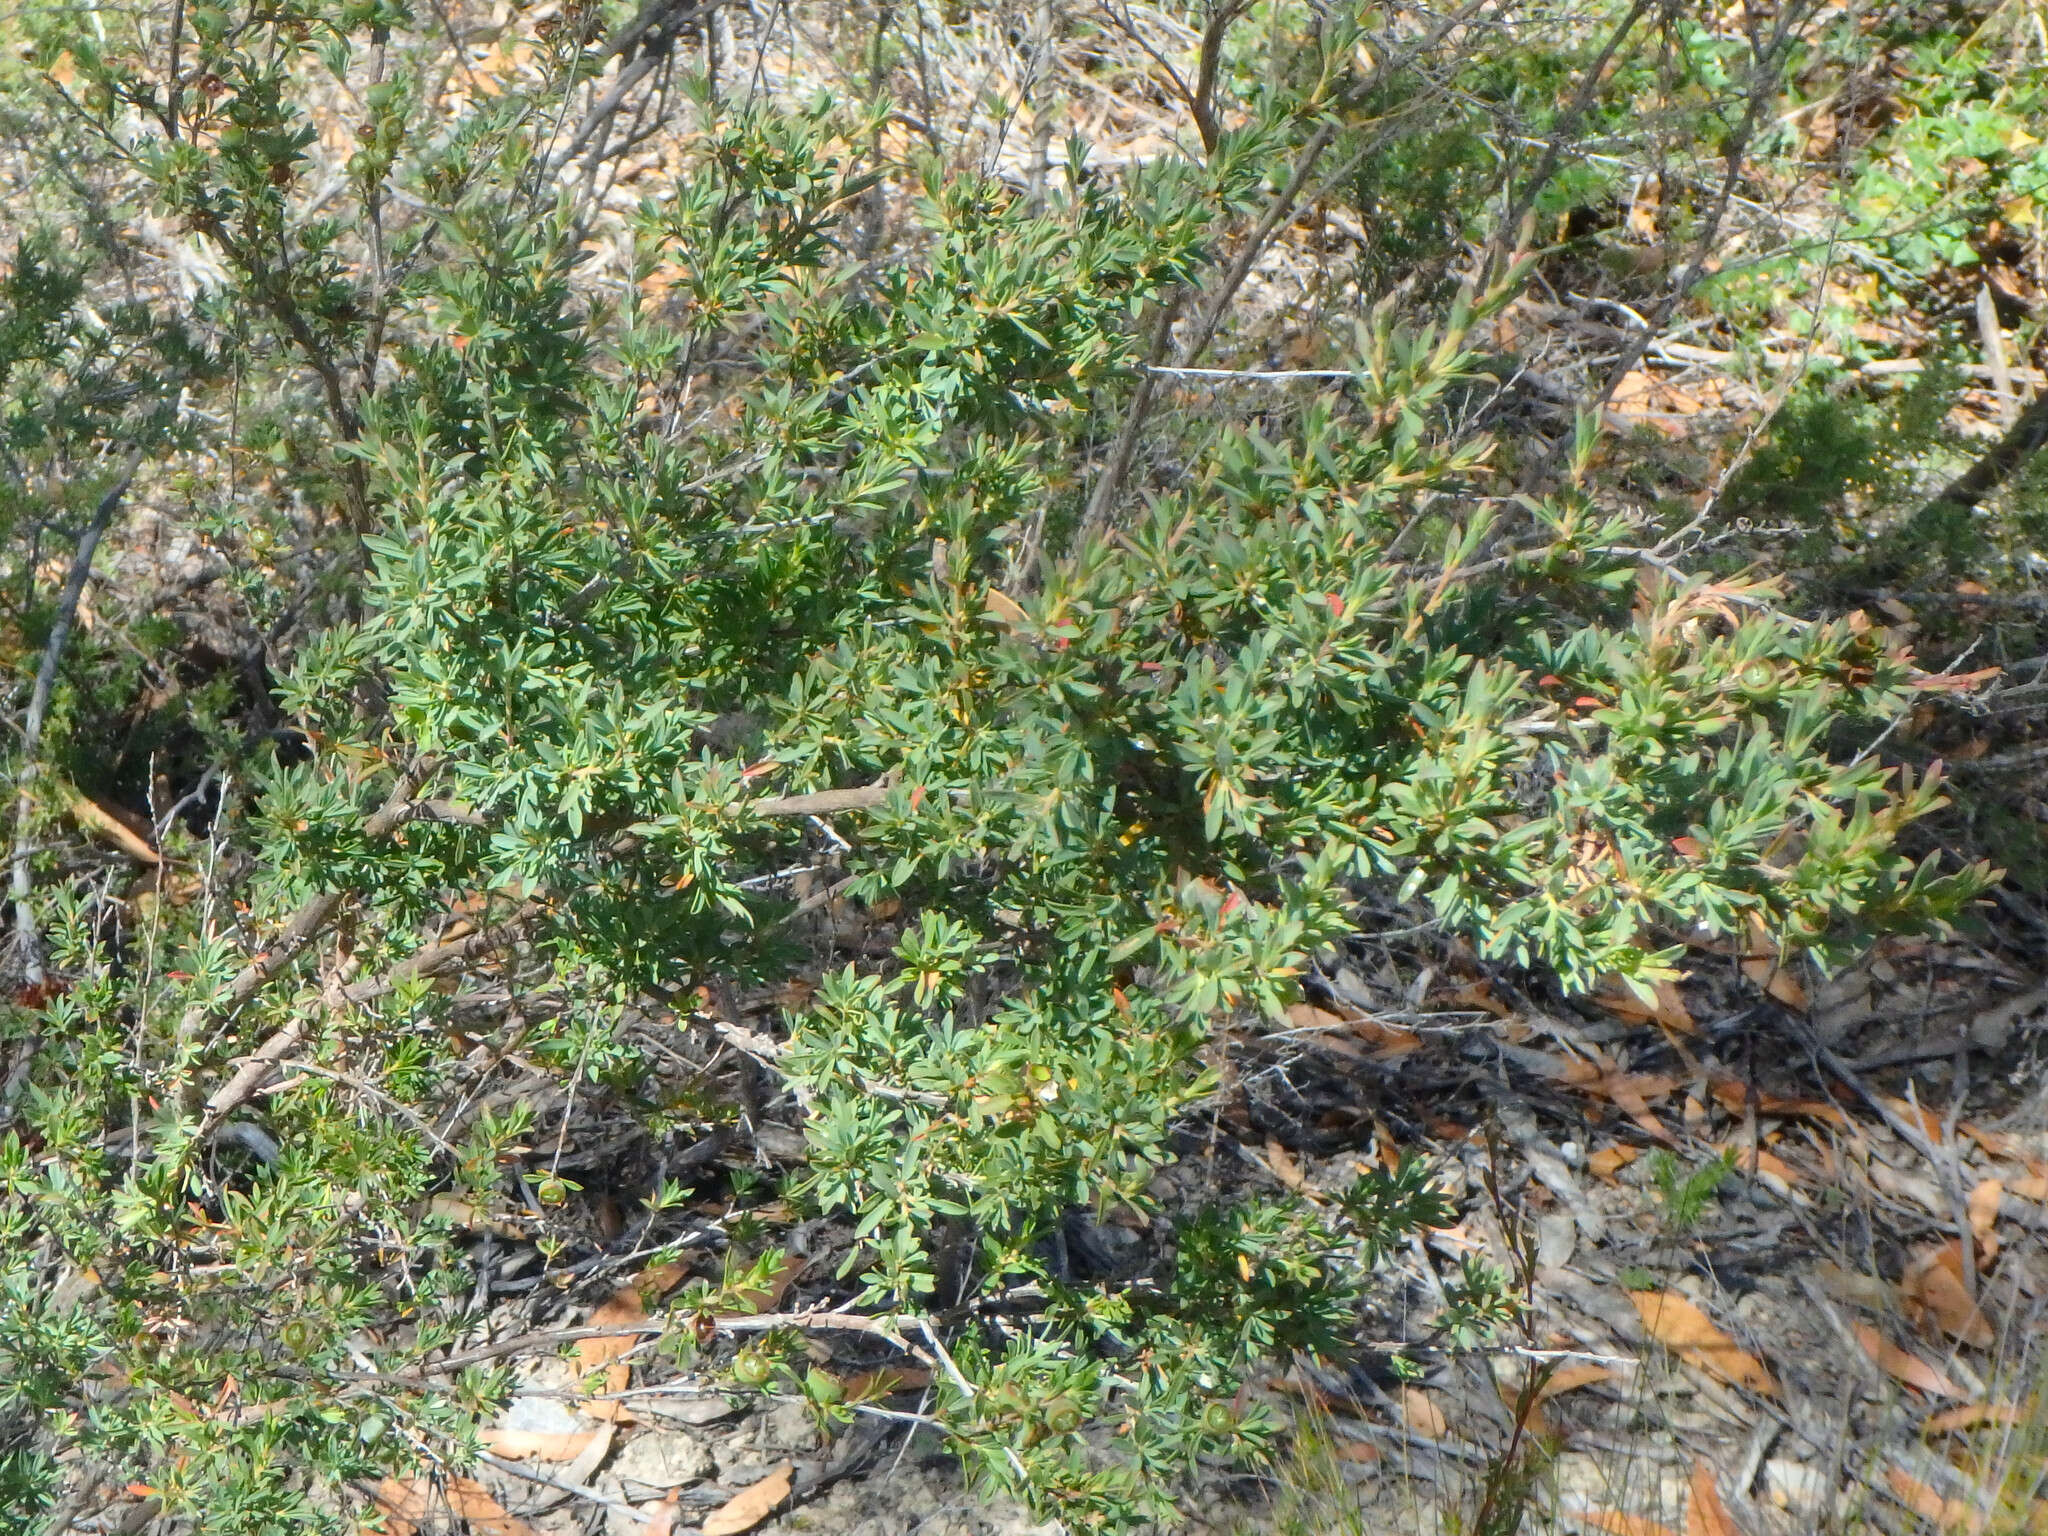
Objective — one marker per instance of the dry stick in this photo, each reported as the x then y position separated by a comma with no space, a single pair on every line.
1554,150
1203,103
441,959
1108,487
2026,437
27,938
1112,479
171,86
1948,1165
255,1069
886,1328
1277,211
306,925
1764,76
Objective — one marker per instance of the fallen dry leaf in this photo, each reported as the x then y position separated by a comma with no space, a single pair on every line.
1615,1523
1422,1415
1309,1016
1566,1379
1609,1161
536,1445
1570,1378
1971,1416
609,1409
1630,1092
1934,1296
625,1306
1943,1514
1983,1212
1766,1167
885,1380
1902,1366
750,1506
406,1502
1923,1120
1354,1451
1761,964
474,1217
1668,1008
122,829
1705,1514
661,1520
1735,1097
1687,1332
1285,1168
473,1502
2033,1187
1005,609
657,1280
591,1457
769,1297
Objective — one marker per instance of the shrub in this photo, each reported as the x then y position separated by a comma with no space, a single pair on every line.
745,565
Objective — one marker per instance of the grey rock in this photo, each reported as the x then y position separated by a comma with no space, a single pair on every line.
693,1411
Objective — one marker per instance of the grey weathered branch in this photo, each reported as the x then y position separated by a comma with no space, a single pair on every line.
2023,439
27,938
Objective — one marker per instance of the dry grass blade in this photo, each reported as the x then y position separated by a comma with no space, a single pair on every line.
1615,1523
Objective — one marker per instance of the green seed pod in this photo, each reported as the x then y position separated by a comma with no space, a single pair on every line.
752,1367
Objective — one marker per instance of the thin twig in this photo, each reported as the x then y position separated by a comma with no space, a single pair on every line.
27,938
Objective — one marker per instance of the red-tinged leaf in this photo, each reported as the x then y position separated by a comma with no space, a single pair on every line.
1955,682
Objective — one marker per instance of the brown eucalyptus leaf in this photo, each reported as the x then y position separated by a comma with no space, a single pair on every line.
1689,1333
750,1506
